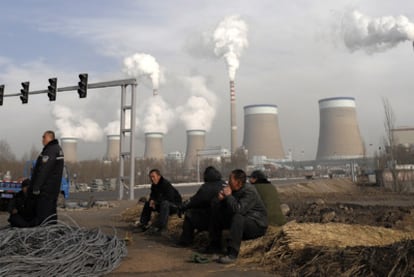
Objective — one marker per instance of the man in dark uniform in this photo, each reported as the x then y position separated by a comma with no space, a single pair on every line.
240,209
22,207
197,208
47,178
164,198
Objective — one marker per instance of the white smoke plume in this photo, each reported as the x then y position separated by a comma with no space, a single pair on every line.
143,65
200,109
75,125
372,35
230,39
158,116
113,127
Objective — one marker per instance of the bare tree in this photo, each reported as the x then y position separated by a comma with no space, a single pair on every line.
6,154
389,125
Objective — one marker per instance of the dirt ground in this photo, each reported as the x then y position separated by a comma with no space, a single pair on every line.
324,203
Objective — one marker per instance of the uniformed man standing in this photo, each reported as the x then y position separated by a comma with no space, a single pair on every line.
46,179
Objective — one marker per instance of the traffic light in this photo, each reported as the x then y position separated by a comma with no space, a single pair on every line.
83,85
52,89
1,94
25,92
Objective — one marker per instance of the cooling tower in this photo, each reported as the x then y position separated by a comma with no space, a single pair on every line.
69,147
339,136
261,132
112,148
153,146
196,140
233,134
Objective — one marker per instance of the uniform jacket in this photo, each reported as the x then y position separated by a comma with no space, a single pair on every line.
247,202
164,191
47,173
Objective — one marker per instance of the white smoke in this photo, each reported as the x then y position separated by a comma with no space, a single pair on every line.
113,127
230,39
158,116
75,125
375,34
140,64
200,109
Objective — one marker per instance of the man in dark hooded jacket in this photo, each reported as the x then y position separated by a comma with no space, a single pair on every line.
164,198
47,178
22,207
197,208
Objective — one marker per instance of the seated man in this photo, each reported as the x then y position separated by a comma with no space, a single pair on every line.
269,196
164,198
239,208
197,208
22,207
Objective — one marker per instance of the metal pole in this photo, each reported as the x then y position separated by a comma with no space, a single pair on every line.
132,148
122,140
198,167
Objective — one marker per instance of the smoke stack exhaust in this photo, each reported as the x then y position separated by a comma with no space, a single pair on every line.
233,124
69,148
154,146
112,149
339,136
196,140
261,132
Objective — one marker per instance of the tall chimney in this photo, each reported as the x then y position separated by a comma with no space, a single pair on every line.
339,136
196,140
112,148
69,148
233,134
261,132
153,146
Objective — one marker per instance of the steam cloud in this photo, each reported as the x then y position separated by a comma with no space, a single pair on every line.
76,126
113,127
230,38
157,115
375,34
141,64
199,111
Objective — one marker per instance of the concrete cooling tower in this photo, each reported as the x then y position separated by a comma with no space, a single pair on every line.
261,132
153,146
196,140
339,136
112,148
69,147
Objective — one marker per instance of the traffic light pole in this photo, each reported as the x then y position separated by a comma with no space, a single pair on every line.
126,133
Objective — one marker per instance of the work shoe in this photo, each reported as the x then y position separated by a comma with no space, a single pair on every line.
140,228
228,259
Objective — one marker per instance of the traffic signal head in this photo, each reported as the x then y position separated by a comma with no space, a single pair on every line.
83,85
25,92
52,89
1,94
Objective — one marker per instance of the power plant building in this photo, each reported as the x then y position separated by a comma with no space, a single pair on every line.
69,148
403,136
261,132
154,148
339,135
196,140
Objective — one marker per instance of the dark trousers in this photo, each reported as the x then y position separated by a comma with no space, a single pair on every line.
194,219
45,210
165,209
17,220
241,228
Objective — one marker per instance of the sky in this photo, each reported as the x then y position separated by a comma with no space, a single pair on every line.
288,53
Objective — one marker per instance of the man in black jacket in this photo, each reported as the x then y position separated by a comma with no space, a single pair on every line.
197,208
46,179
22,207
240,209
164,198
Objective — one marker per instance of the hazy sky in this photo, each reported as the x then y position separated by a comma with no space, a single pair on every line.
298,52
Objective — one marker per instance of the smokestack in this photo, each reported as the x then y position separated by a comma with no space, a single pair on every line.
196,140
261,132
69,148
233,125
153,146
112,148
339,136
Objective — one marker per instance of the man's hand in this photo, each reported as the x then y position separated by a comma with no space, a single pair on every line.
36,192
224,192
152,204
